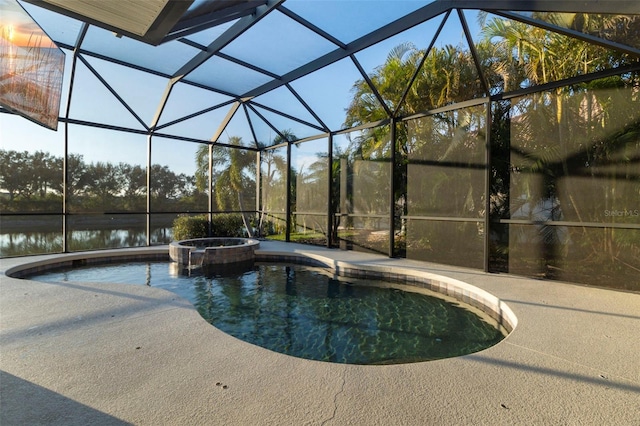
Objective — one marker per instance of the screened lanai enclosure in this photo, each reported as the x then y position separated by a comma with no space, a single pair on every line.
498,135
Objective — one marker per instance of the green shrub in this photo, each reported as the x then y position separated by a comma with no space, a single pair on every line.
187,227
227,225
223,225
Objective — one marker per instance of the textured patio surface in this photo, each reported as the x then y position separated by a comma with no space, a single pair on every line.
83,353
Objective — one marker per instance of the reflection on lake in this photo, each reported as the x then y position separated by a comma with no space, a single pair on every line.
16,244
24,235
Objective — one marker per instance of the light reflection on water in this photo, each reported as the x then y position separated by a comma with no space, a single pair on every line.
25,243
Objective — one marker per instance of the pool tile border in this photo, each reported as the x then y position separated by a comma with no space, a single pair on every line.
473,296
88,258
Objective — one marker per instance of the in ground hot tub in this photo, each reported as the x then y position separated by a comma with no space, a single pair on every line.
213,251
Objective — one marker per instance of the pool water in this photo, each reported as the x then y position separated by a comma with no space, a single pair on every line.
308,313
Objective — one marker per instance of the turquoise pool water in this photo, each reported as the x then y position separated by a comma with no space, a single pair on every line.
308,313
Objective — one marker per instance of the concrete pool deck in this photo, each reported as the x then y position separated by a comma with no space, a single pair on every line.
113,354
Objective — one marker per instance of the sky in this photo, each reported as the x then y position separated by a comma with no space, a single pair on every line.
328,92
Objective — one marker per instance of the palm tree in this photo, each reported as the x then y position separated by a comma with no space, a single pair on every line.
273,171
230,177
389,79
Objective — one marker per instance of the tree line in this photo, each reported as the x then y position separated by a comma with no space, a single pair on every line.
33,181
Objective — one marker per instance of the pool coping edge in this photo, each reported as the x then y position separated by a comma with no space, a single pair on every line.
480,299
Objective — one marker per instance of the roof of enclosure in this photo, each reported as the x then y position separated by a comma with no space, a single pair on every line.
279,66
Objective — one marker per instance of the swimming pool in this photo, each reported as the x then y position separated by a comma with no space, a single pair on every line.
309,312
